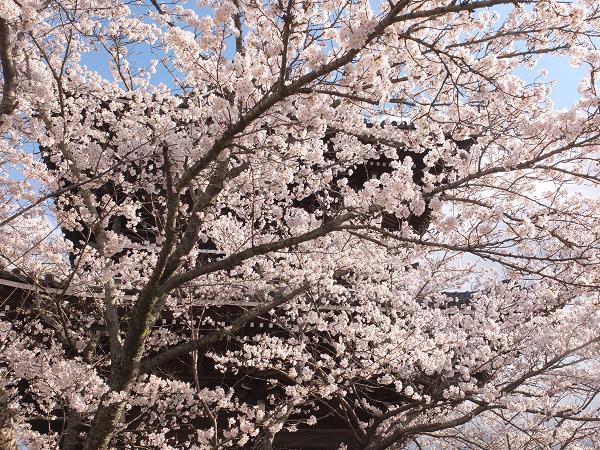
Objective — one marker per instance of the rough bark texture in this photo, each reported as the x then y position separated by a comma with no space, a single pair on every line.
8,102
8,439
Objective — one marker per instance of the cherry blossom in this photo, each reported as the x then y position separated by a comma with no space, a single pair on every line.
226,223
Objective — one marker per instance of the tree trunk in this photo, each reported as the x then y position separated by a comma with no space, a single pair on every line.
123,377
8,438
103,426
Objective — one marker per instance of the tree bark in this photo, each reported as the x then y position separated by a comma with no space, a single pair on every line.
103,426
8,438
9,73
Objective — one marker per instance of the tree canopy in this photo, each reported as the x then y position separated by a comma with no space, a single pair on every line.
414,227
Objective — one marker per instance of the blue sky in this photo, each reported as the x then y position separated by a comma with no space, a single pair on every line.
566,78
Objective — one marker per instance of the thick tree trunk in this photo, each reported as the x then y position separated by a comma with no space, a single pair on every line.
103,426
125,372
8,438
70,440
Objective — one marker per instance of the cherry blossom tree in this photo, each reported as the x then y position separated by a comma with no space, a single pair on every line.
336,171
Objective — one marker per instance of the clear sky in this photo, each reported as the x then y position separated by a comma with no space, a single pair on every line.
566,78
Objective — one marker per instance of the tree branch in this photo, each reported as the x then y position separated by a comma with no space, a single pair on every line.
216,183
456,8
197,344
262,249
278,95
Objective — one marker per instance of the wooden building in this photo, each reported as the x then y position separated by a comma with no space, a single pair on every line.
23,299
